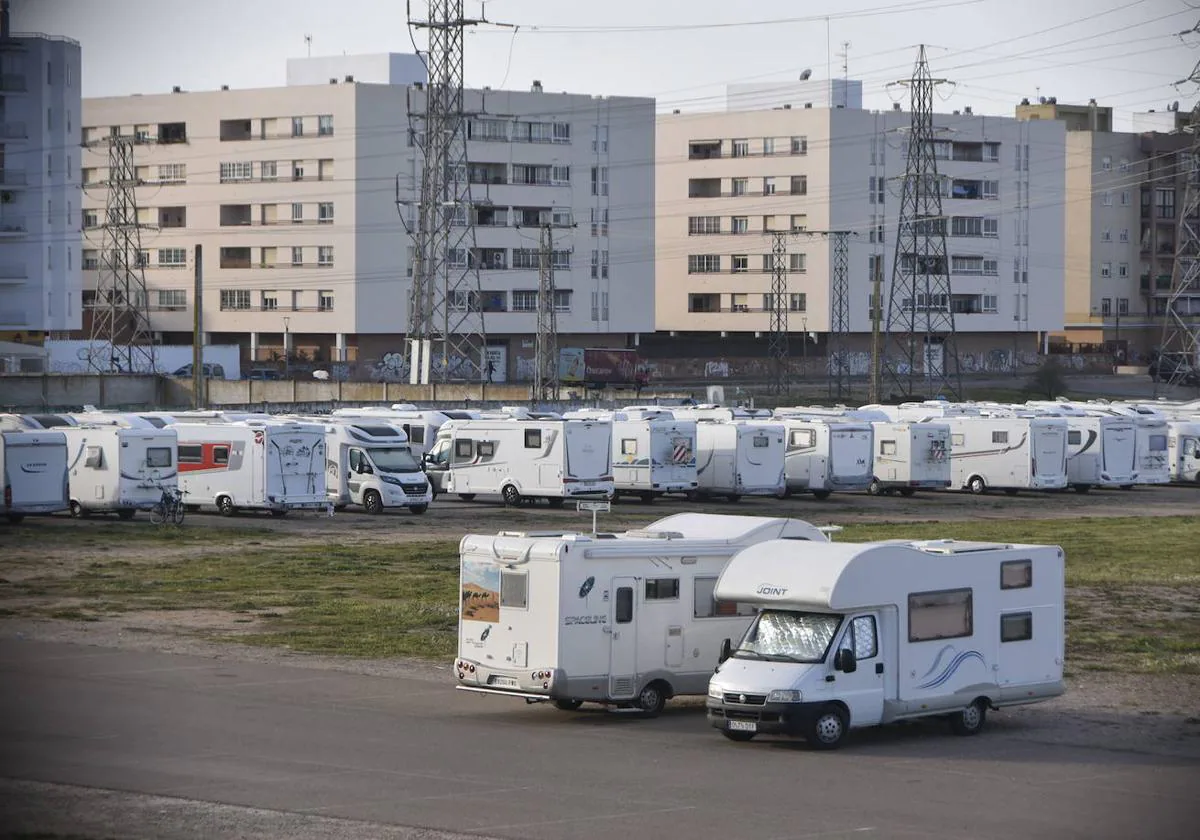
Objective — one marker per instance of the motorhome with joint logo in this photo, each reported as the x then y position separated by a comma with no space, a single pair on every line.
854,635
626,620
33,469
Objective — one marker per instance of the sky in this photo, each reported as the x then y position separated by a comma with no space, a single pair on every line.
1127,54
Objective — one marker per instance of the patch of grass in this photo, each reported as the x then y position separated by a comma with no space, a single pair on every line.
100,535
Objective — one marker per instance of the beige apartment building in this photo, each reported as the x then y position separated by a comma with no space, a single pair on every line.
292,195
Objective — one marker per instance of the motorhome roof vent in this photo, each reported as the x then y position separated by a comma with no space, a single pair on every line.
957,547
643,534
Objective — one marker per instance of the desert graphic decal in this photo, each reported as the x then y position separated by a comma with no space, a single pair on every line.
480,591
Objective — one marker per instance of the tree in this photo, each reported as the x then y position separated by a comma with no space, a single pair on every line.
1048,380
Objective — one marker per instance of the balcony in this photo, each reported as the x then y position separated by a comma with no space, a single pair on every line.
13,273
236,215
704,188
13,83
235,258
13,131
12,178
704,150
12,226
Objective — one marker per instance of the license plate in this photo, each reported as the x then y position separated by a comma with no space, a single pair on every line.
742,725
505,682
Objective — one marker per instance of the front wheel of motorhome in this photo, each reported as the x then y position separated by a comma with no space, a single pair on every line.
225,506
77,510
511,495
976,485
875,488
373,502
418,508
652,699
827,728
567,705
971,719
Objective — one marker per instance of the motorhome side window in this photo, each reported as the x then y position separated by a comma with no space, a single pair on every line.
1158,443
887,447
464,449
628,446
94,458
662,589
514,589
220,454
999,437
947,614
861,638
416,434
958,440
158,457
624,606
191,453
1189,447
1016,627
1016,574
706,606
803,439
486,448
533,438
1074,437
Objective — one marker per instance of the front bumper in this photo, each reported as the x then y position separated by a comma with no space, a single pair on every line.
766,718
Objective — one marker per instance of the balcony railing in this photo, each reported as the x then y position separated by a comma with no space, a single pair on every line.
12,178
12,225
13,272
13,131
12,83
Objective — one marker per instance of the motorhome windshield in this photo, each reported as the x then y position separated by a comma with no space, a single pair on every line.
789,636
394,459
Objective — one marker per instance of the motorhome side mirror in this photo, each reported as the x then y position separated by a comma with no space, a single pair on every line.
845,661
726,650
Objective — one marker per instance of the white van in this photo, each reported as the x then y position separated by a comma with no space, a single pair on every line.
115,469
522,459
736,458
825,453
855,635
624,619
251,465
1183,449
370,463
33,468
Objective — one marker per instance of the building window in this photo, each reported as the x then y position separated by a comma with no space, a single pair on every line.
172,173
172,257
741,263
1106,163
739,224
297,126
1106,269
297,170
798,302
270,301
1124,236
1106,198
737,186
269,170
1123,269
946,614
798,263
562,300
297,212
600,221
741,148
524,300
799,145
697,225
1105,307
768,186
325,125
562,132
297,256
799,185
704,264
768,145
325,255
325,212
235,299
172,298
325,301
236,171
599,180
1122,306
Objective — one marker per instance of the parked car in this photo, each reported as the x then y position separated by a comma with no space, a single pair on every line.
1174,366
211,371
264,373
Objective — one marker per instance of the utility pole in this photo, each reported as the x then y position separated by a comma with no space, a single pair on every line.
445,327
876,317
1181,333
121,338
778,344
198,380
545,370
920,318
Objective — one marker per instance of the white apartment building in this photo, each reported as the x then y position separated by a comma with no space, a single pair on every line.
726,180
40,196
292,194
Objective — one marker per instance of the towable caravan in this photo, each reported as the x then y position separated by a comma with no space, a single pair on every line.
1007,452
114,469
736,458
419,425
1183,449
370,463
33,468
1101,449
910,456
854,635
277,466
824,453
623,619
522,460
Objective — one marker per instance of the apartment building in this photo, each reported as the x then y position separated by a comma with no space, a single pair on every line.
726,181
40,196
299,198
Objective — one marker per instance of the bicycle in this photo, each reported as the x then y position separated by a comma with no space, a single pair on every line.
169,508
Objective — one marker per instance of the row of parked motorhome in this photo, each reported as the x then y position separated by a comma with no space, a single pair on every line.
785,631
404,457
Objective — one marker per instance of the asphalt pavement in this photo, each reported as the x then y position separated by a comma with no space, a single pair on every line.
241,747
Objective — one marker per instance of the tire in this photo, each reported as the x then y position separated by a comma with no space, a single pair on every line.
908,492
1082,488
822,495
77,511
511,495
339,508
971,719
467,497
692,495
373,502
827,729
126,513
1011,491
178,514
567,705
652,698
875,488
977,485
647,497
740,737
279,514
158,514
556,501
225,506
1126,486
734,498
418,508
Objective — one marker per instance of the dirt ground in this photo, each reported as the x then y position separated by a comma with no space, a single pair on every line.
1167,706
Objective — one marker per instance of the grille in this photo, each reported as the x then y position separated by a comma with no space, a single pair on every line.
746,699
413,489
622,686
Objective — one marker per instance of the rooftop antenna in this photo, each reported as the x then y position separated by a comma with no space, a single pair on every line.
308,43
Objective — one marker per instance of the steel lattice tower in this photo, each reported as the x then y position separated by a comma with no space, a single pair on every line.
545,372
839,320
920,315
445,314
121,339
778,345
1181,332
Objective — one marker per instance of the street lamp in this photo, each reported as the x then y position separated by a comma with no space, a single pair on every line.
287,356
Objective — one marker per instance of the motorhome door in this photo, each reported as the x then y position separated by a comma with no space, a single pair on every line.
359,468
622,663
863,689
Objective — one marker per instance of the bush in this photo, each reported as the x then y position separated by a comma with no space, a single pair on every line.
1048,381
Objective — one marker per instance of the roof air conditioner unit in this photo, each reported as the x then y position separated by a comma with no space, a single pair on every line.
333,81
177,89
895,106
224,87
349,78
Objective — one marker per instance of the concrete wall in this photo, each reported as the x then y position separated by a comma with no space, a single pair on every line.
36,391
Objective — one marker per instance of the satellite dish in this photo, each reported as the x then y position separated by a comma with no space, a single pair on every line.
806,74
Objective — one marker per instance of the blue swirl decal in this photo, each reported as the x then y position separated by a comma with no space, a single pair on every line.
950,667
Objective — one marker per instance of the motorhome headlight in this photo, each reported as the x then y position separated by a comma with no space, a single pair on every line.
715,692
389,479
785,695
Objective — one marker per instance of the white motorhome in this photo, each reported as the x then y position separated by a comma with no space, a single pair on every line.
825,453
1151,437
33,468
1101,449
522,459
736,458
117,469
624,619
370,463
421,426
855,635
654,456
277,466
1183,450
910,456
